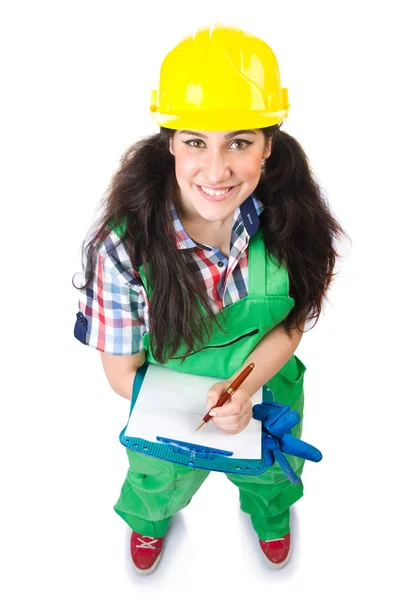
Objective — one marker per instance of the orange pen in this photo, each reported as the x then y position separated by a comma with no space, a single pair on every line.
229,392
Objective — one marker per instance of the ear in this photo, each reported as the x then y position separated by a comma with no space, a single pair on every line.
171,145
268,150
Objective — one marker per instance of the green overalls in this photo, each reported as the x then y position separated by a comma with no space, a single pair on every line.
156,489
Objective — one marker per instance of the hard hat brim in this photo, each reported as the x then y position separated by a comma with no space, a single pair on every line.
220,120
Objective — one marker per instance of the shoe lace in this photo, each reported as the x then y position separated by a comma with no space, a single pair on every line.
148,543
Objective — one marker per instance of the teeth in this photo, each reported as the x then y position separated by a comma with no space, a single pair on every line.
215,192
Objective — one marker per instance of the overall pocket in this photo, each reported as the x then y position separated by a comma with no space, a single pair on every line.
287,383
287,388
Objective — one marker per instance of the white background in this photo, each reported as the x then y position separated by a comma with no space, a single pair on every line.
76,80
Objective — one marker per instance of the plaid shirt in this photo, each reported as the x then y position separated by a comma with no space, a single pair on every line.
113,311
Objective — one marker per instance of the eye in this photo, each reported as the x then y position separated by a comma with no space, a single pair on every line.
196,143
245,142
191,142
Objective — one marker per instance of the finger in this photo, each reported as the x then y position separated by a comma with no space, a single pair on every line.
214,393
212,399
232,428
232,407
233,421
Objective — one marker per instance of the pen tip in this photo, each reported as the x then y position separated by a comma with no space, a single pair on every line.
201,424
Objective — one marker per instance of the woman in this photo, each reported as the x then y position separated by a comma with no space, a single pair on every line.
204,220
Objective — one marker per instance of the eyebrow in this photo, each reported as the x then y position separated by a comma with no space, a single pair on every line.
228,136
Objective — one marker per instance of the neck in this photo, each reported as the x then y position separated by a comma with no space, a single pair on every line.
215,235
210,233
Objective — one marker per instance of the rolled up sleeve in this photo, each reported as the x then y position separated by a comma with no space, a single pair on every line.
112,312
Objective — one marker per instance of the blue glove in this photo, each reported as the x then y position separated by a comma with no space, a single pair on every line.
277,422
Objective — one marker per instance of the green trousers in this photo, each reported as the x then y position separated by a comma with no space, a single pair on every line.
154,490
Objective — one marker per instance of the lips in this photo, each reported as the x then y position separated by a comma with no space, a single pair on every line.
218,198
218,191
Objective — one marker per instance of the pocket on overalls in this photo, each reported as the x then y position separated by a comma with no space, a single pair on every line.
287,388
287,383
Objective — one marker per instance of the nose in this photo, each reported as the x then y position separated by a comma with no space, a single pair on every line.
216,168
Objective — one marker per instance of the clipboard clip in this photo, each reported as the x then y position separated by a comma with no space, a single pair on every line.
194,450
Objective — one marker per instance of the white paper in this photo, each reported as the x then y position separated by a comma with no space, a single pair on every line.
172,405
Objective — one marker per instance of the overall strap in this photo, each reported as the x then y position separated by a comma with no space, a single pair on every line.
119,230
265,275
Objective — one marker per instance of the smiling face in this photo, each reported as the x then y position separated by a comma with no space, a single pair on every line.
216,170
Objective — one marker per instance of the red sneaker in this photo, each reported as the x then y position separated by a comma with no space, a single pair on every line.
277,551
145,552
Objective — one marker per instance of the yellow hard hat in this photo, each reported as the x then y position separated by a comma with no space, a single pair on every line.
220,79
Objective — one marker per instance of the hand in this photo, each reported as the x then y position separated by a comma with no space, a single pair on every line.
235,414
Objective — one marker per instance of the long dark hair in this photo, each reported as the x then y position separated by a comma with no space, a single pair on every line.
298,228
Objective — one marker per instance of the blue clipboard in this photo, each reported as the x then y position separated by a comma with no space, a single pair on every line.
185,453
